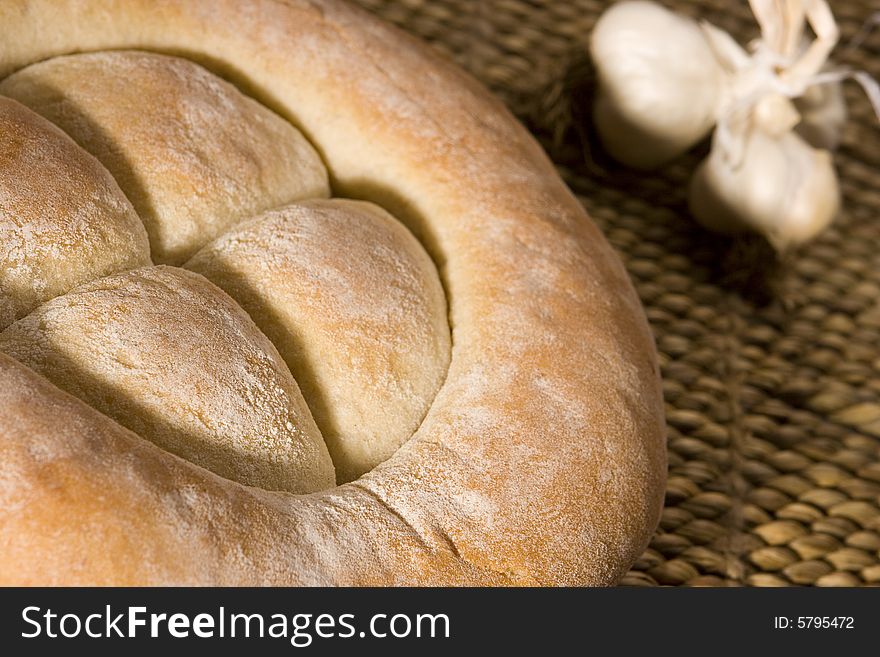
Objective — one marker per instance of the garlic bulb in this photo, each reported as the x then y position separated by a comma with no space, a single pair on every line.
659,83
781,187
776,105
761,174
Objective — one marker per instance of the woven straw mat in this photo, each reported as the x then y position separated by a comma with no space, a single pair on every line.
771,368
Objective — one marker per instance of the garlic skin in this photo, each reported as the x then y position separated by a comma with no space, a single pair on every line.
823,115
665,80
781,187
659,83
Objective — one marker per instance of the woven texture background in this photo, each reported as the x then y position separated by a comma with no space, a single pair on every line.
771,369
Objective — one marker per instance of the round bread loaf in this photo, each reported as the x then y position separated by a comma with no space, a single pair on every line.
495,402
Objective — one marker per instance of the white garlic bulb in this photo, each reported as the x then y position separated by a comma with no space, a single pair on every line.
659,83
779,186
776,105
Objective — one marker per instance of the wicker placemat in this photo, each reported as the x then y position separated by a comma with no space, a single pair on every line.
771,370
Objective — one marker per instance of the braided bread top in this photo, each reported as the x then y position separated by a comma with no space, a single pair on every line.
214,373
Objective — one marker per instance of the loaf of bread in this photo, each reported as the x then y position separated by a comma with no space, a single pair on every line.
286,298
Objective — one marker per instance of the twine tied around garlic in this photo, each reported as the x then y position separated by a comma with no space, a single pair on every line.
781,68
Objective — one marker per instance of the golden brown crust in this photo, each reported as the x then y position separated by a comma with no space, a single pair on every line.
63,219
541,460
168,355
354,305
192,153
